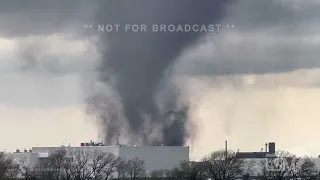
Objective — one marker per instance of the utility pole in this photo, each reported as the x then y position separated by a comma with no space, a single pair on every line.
226,150
226,160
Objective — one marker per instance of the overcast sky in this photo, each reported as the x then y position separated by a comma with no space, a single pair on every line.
256,82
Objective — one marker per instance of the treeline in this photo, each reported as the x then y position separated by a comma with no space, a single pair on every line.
97,165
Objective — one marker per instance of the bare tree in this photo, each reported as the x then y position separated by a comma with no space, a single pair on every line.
308,169
248,169
57,160
192,170
122,168
136,168
188,170
157,173
81,165
288,165
221,165
68,171
27,171
97,163
103,164
47,170
110,162
8,167
174,173
133,168
51,168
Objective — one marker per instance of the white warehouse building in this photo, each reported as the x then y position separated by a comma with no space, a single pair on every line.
154,157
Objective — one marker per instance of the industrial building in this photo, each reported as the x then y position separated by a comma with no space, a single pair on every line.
155,157
265,155
268,152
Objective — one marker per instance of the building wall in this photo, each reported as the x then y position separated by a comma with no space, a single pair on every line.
48,150
156,157
317,161
28,157
109,149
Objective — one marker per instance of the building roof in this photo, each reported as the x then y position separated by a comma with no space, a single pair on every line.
251,155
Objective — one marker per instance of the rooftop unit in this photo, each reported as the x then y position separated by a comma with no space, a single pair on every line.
92,143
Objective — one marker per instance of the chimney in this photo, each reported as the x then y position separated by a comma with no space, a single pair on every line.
272,148
266,145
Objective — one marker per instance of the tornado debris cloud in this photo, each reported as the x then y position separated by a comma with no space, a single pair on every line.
137,61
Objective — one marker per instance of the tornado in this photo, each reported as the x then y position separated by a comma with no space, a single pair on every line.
134,63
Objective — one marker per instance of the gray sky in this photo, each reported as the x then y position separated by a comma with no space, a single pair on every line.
265,71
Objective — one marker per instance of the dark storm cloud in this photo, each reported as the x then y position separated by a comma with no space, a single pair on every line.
275,18
271,61
262,15
275,36
37,55
29,23
139,60
34,17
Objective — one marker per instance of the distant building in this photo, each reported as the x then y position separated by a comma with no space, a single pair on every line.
155,157
264,156
270,152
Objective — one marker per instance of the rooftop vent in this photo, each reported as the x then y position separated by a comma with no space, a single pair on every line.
92,143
